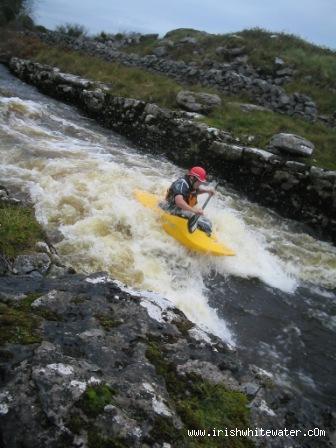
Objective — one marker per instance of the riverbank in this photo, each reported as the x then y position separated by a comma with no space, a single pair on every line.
294,189
85,360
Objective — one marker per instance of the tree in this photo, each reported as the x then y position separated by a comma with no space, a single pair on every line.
18,11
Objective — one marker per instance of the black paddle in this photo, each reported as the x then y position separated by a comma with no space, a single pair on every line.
193,220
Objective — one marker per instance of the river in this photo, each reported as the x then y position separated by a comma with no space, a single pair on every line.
275,300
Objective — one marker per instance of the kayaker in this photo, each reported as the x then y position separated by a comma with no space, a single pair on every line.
181,198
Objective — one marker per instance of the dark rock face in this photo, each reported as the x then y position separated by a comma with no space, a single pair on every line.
294,189
110,368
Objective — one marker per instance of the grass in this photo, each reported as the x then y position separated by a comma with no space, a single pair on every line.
200,405
263,125
262,49
19,230
123,81
19,324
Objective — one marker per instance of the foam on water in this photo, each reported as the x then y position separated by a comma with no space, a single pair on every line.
82,184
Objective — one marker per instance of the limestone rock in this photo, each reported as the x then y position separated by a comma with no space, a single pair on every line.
293,144
25,264
197,102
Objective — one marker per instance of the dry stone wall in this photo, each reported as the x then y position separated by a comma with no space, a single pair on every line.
229,78
294,189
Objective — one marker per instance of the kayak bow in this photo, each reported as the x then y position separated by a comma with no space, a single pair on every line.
177,227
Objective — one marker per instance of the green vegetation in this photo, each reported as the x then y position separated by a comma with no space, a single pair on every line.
95,440
315,66
123,81
19,324
72,29
16,12
263,125
315,76
200,405
137,83
19,230
108,320
91,405
95,399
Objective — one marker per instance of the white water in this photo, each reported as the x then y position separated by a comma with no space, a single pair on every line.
82,180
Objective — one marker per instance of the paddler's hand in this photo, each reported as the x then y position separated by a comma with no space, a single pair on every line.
198,211
211,191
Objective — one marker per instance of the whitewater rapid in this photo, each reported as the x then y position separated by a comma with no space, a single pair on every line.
81,179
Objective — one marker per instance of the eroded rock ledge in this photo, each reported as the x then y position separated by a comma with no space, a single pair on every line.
294,189
88,363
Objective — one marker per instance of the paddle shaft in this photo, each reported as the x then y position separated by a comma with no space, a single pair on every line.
192,222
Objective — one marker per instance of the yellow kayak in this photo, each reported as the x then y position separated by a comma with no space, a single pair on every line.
177,227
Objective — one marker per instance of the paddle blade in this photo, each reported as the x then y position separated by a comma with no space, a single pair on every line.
192,223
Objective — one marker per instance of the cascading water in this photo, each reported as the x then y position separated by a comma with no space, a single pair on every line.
269,299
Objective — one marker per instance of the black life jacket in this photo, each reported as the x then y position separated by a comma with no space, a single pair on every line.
189,196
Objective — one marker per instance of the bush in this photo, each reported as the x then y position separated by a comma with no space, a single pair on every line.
72,30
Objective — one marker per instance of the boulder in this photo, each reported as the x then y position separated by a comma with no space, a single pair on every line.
293,144
197,102
160,51
188,40
279,61
25,264
246,107
230,52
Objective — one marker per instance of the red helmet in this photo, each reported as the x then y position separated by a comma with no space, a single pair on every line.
198,172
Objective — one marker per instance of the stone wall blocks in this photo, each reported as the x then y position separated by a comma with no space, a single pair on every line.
156,128
73,80
228,152
296,166
319,173
257,154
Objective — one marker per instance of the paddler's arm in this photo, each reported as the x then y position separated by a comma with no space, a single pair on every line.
180,202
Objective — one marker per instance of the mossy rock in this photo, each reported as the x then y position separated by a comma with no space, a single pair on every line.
200,405
19,322
95,398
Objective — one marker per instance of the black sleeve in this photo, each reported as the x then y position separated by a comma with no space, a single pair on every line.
180,187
